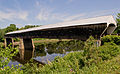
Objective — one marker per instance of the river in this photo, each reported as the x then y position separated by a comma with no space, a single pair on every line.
45,52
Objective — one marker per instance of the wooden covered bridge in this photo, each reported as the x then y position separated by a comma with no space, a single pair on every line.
78,29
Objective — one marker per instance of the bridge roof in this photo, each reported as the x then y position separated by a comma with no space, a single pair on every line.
96,20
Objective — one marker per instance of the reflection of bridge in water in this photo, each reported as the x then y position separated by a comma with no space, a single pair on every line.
80,29
45,52
26,58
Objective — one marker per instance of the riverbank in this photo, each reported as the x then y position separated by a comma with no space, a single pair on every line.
39,40
96,60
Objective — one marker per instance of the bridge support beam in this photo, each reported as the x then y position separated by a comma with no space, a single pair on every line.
8,41
98,43
26,44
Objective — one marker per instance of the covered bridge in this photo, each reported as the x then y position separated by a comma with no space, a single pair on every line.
78,29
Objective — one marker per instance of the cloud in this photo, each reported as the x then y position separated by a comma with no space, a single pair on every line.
92,14
13,15
46,14
74,17
37,3
102,13
49,15
23,15
43,14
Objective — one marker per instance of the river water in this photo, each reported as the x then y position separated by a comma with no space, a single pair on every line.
45,52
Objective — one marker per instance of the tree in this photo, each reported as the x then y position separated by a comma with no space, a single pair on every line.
118,19
11,28
29,26
118,23
2,33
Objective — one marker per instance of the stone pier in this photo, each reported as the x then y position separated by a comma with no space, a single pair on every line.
21,49
25,45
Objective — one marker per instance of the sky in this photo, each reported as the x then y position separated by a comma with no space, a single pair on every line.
43,12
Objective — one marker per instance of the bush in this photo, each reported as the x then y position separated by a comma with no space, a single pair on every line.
78,62
5,55
71,63
111,38
91,52
106,67
108,50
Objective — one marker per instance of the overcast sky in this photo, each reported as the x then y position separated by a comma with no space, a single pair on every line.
43,12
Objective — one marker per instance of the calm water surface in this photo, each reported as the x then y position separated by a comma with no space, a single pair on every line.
47,52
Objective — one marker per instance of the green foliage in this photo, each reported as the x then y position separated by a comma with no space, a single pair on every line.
118,19
5,55
30,68
85,62
118,23
10,28
37,39
2,33
71,63
91,52
61,46
111,38
108,51
29,26
96,60
16,39
105,67
11,70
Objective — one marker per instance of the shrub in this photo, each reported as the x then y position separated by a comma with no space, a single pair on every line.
91,52
71,63
106,67
6,54
108,50
111,38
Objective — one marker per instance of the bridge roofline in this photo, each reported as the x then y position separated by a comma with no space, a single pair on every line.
96,20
